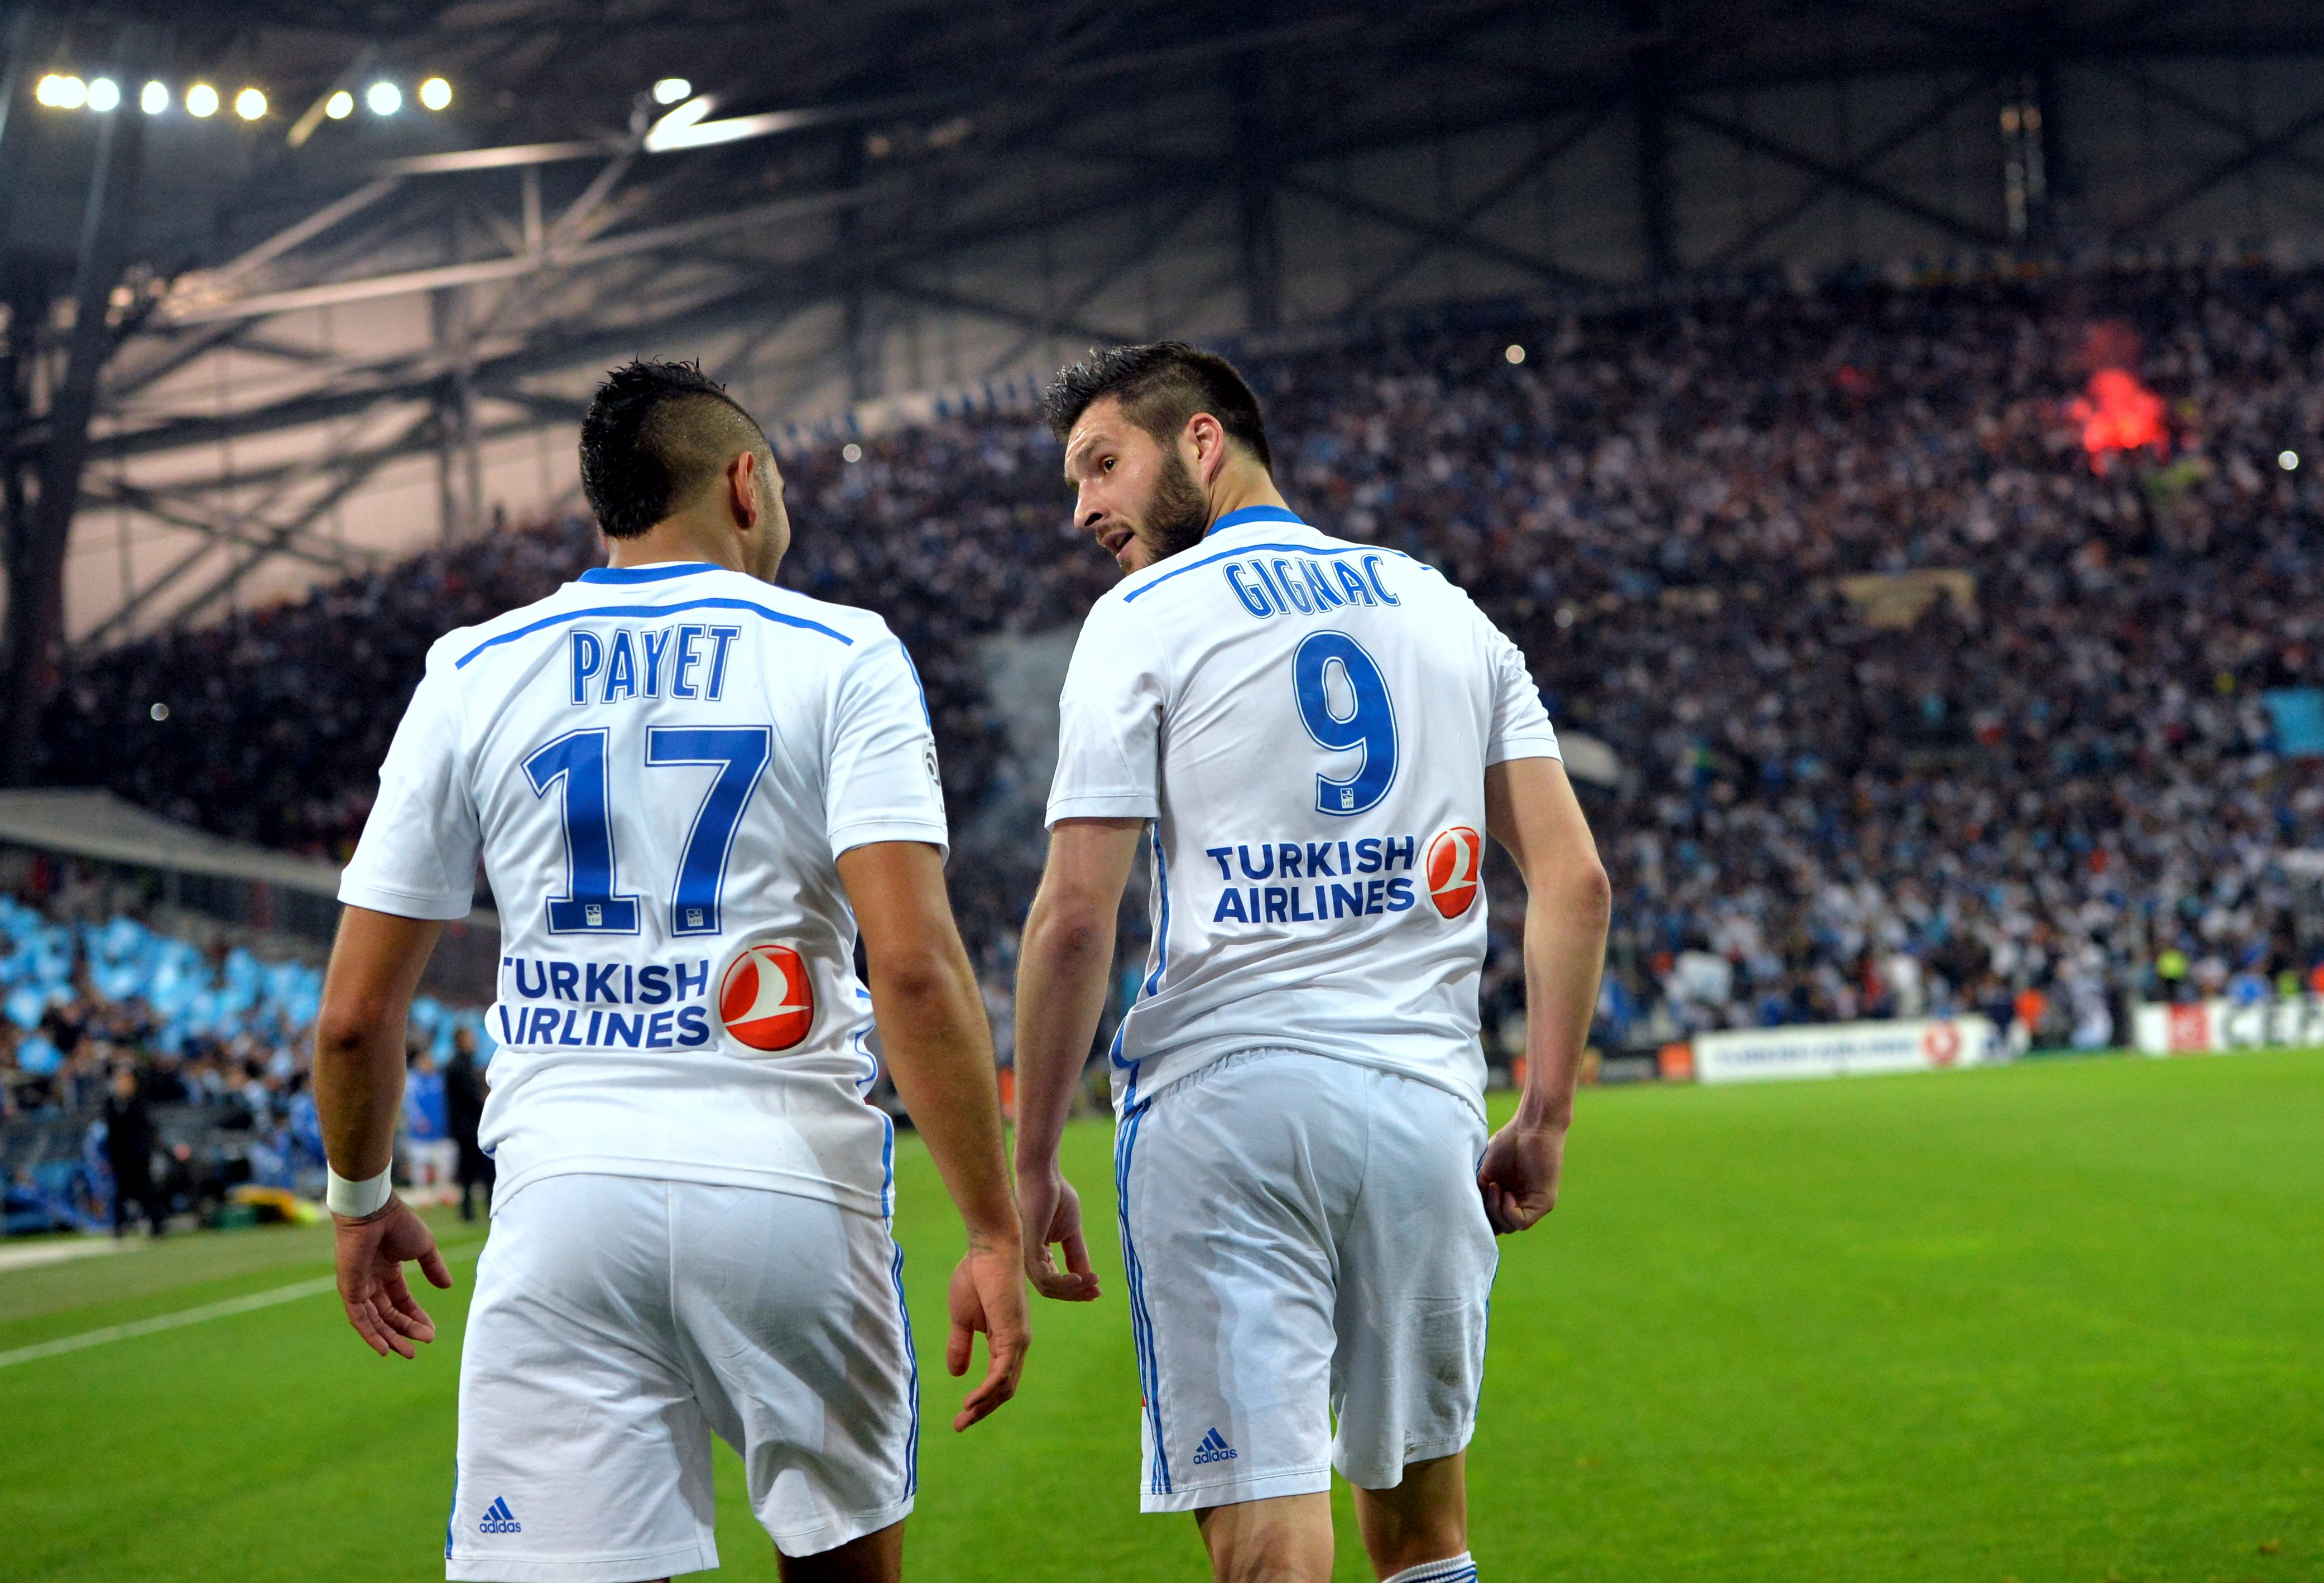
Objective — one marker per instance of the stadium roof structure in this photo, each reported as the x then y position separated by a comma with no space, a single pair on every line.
242,353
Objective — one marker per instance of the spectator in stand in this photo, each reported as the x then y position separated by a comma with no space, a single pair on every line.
465,1090
435,1156
129,1140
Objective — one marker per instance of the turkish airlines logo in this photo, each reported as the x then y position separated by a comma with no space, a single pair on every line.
767,1001
1942,1044
1453,870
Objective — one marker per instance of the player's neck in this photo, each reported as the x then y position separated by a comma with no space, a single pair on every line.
678,538
1240,488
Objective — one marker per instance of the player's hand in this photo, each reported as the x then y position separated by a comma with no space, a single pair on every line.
1050,1211
1519,1175
988,1295
371,1257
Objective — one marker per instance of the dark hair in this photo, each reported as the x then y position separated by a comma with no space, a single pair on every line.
1160,385
655,433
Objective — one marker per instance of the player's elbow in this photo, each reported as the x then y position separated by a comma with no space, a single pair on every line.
1067,929
1588,893
917,980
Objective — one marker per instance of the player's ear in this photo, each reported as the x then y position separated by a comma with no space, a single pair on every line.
743,483
1208,438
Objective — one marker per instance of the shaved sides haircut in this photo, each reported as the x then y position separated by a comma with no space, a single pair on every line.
1160,385
655,436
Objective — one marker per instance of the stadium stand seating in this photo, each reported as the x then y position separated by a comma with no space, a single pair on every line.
223,1042
1922,704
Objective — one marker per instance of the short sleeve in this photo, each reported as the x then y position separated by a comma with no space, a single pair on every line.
884,784
417,855
1521,728
1108,722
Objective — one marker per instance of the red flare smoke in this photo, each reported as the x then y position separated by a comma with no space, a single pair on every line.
2119,414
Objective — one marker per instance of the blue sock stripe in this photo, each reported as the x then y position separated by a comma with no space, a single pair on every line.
1460,1571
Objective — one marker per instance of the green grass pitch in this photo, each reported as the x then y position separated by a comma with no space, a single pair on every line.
2060,1320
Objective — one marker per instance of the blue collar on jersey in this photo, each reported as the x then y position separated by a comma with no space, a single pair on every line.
1255,514
646,574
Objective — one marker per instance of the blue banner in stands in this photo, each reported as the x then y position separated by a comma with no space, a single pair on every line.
2298,716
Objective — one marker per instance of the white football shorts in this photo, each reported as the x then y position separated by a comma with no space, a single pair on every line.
617,1320
1304,1243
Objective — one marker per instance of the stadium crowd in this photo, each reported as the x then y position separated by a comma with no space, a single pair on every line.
95,1008
1921,705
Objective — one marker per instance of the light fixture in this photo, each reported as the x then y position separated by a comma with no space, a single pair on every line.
155,98
1515,354
250,104
671,89
2288,460
160,711
339,105
436,94
104,94
201,100
384,98
671,131
62,91
851,452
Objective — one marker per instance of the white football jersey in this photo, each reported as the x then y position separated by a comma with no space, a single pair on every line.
1307,722
659,766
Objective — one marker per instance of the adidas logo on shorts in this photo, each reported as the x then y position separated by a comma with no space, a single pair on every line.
1214,1449
499,1519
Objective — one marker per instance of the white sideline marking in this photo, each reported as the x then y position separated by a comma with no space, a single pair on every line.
187,1316
61,1249
169,1322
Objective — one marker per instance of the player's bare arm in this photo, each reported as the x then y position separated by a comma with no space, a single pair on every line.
1062,966
1531,810
375,966
939,1047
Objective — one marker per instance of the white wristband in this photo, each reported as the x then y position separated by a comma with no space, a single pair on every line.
356,1200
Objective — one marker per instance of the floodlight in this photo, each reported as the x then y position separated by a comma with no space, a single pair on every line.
155,98
339,105
61,91
384,98
104,94
671,89
250,104
673,130
201,100
436,94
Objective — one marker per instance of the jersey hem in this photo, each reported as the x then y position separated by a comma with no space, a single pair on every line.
848,837
1149,1090
815,1189
797,1545
1234,1492
1365,1475
1105,805
687,1558
400,904
1525,748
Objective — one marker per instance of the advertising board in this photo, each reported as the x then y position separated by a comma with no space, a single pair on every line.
2202,1027
1851,1049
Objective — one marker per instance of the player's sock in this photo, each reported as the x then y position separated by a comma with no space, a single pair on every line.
1457,1569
